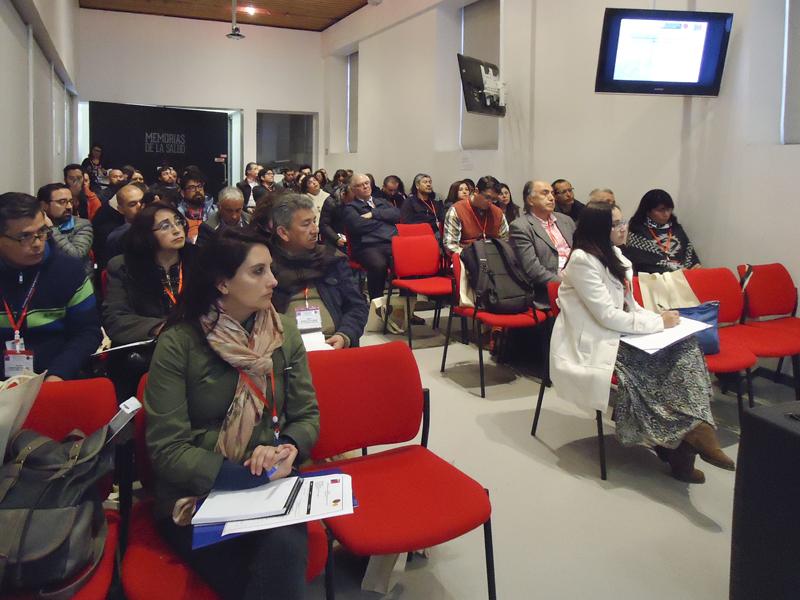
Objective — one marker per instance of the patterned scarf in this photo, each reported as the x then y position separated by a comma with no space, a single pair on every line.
252,354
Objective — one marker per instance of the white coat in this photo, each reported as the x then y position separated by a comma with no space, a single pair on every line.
585,340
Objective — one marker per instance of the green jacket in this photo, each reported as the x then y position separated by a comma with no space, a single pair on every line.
189,390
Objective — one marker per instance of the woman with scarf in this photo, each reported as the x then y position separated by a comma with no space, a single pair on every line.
314,276
656,242
230,405
423,206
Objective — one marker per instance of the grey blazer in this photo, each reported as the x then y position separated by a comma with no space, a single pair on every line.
535,251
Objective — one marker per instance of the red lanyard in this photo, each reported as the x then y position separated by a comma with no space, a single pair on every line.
17,325
169,292
305,295
432,209
661,247
260,395
485,219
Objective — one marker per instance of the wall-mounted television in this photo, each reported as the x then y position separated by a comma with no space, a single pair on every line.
662,52
480,81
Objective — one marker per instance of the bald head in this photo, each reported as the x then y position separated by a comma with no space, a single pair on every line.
602,195
129,201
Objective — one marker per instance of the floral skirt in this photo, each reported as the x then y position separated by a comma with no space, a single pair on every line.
663,396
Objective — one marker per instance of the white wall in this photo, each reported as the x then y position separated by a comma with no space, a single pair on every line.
143,59
718,157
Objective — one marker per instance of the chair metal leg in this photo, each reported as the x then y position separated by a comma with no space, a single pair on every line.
464,331
408,320
538,407
777,376
602,445
446,340
330,591
487,542
476,328
796,375
739,396
386,310
749,378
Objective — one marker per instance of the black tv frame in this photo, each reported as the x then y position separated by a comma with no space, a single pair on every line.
475,97
707,86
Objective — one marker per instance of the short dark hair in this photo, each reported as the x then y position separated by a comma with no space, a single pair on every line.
486,183
17,205
46,191
556,182
192,173
129,170
263,172
72,167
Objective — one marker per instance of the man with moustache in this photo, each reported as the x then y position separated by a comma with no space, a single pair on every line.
50,320
542,239
475,217
564,195
315,283
71,234
194,205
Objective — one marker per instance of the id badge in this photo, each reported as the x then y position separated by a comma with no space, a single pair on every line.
16,359
309,318
562,262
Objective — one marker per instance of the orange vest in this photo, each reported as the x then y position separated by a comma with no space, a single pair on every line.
474,227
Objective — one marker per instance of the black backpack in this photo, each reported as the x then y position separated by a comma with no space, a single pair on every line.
52,526
499,283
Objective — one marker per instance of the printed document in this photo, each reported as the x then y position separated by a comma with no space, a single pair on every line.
653,342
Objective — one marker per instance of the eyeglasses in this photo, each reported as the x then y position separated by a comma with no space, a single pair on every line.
167,225
63,201
619,225
194,187
570,190
26,239
75,178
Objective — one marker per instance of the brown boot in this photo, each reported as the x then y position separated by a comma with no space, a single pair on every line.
681,461
703,438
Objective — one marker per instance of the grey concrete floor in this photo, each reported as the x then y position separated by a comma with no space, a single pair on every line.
559,530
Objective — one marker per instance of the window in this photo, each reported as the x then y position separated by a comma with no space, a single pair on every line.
790,109
351,106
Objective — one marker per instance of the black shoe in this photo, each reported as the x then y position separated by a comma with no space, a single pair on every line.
415,320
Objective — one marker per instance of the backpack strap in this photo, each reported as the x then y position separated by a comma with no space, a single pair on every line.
69,590
483,273
11,540
12,469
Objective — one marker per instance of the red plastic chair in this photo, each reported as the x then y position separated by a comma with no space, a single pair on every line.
408,497
530,318
87,405
416,265
737,353
412,229
151,569
552,294
770,304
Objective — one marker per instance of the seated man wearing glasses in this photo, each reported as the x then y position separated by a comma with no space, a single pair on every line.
72,234
565,199
195,207
230,213
49,319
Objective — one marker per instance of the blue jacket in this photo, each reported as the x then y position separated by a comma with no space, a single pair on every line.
380,229
63,326
337,289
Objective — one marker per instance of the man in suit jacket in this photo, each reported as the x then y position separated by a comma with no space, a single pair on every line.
541,239
250,181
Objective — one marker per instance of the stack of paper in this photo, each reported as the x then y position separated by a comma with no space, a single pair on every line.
653,342
268,500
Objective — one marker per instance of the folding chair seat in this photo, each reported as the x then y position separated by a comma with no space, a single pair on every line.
152,569
770,306
412,229
417,269
85,404
530,318
552,293
408,497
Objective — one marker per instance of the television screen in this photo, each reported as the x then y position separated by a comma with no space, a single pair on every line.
662,52
480,81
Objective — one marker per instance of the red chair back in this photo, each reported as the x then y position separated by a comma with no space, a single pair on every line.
552,294
367,397
411,229
718,284
416,256
770,291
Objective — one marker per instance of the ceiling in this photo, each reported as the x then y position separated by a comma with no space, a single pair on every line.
309,15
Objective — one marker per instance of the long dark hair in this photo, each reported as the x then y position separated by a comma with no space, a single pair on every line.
452,193
141,244
220,258
593,236
652,199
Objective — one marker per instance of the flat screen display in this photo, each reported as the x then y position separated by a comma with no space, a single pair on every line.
662,52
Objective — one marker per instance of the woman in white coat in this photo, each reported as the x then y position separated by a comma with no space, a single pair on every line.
663,399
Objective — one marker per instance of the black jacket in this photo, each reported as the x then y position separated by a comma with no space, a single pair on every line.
416,211
380,229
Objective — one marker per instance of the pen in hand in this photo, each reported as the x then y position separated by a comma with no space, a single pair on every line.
310,490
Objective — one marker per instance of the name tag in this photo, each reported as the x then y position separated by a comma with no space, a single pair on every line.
308,319
16,359
562,262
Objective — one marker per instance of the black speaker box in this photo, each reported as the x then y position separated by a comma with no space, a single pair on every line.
765,548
